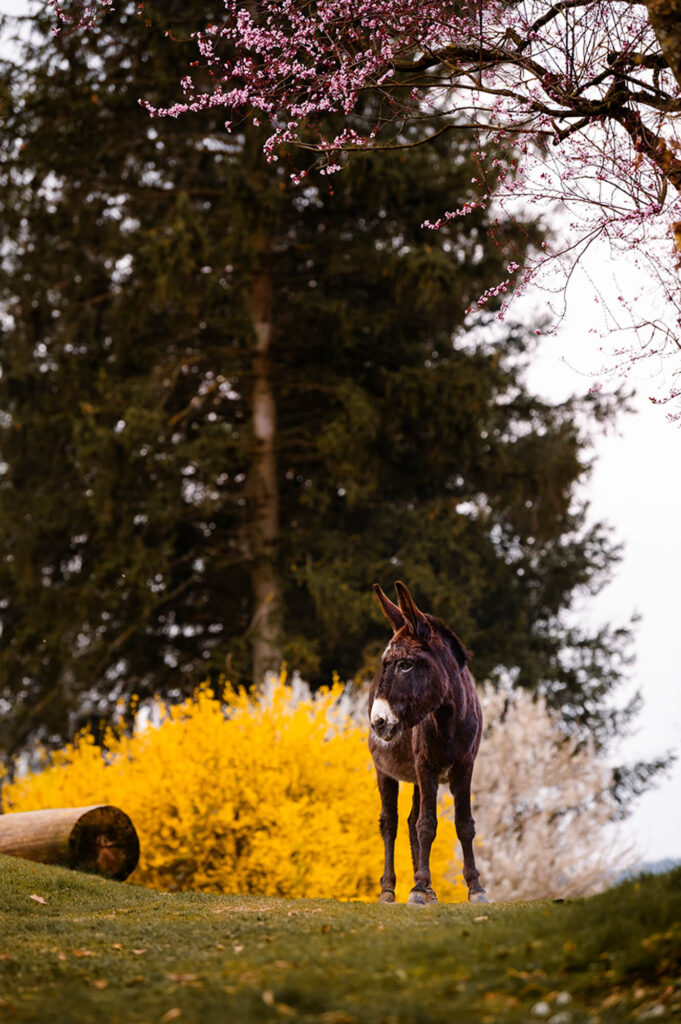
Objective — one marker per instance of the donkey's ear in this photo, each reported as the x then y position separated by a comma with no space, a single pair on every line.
390,610
416,620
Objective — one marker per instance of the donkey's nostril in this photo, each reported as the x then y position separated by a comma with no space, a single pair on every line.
383,719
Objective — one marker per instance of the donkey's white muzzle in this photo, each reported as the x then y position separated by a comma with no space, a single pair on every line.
384,721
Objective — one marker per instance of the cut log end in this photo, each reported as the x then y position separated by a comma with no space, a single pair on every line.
104,842
100,840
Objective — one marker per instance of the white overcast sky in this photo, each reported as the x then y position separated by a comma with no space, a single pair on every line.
636,487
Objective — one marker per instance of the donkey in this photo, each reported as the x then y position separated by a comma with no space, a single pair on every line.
426,723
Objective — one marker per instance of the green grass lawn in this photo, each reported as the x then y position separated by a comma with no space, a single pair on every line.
108,952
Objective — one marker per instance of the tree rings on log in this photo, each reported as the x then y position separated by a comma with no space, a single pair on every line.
100,840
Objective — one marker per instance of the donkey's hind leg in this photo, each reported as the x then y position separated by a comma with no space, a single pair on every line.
413,818
460,785
388,788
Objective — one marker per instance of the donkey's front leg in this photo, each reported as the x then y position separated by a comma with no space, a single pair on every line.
460,785
388,788
426,827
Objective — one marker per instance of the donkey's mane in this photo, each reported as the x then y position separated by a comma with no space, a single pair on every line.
461,653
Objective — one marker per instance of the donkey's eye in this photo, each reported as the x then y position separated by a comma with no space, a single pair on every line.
404,666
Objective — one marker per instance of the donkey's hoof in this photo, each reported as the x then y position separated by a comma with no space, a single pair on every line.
417,898
479,896
431,896
387,896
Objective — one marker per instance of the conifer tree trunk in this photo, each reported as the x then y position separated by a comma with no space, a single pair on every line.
264,491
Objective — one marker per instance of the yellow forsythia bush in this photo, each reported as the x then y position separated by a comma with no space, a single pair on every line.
271,795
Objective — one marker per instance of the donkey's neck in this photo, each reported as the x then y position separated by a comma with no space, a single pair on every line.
444,716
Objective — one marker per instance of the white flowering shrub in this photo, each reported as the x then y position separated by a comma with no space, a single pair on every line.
542,805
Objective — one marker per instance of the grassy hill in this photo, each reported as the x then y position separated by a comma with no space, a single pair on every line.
106,952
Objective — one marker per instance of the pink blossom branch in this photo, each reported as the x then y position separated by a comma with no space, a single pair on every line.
599,79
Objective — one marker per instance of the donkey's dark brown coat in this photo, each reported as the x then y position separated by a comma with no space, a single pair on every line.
426,723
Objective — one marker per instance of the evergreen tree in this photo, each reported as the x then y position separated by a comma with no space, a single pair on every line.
230,405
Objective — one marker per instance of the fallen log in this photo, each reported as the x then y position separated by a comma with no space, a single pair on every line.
100,839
